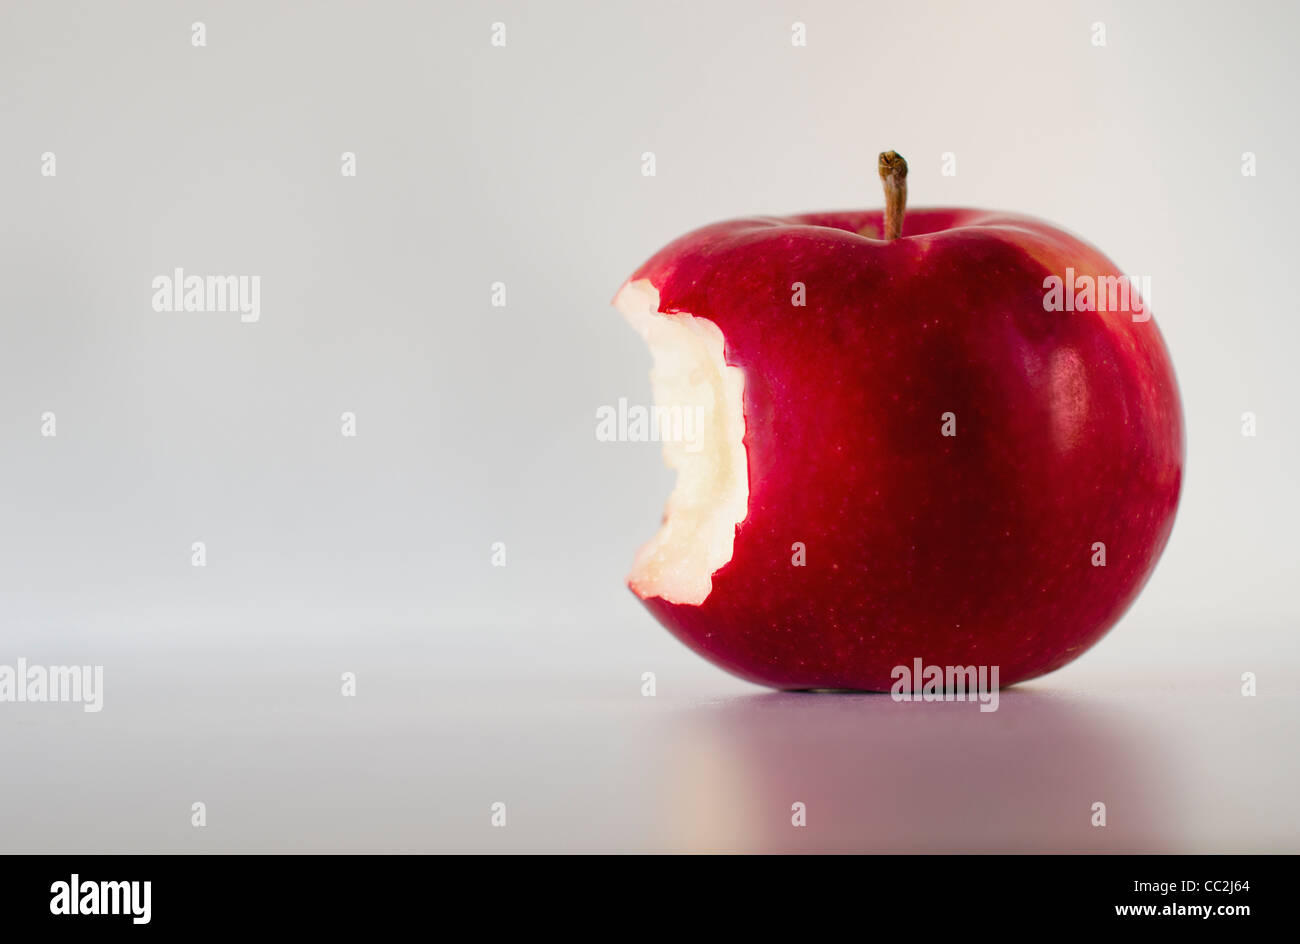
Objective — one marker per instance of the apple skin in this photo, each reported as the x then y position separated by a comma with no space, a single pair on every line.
974,549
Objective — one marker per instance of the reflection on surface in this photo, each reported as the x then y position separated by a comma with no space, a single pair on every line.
879,775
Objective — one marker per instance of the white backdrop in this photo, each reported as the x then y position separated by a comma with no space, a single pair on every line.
521,164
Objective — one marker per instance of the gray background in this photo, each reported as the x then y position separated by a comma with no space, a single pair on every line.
476,424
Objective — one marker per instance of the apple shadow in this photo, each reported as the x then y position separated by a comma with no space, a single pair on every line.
877,775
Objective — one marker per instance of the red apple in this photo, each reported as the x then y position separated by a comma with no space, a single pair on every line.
907,455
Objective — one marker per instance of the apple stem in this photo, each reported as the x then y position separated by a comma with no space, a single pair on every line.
893,175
